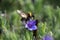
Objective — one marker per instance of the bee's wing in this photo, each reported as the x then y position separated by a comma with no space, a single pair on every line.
21,13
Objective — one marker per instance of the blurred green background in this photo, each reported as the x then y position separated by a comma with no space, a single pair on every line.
46,11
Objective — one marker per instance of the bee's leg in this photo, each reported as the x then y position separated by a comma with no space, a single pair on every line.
35,34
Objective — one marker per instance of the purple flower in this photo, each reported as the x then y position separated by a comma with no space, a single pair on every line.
48,37
31,25
32,28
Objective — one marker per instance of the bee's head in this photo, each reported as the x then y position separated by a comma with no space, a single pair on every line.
30,15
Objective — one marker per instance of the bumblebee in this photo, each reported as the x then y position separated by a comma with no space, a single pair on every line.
25,17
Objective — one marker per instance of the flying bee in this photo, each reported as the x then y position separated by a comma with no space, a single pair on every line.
25,16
